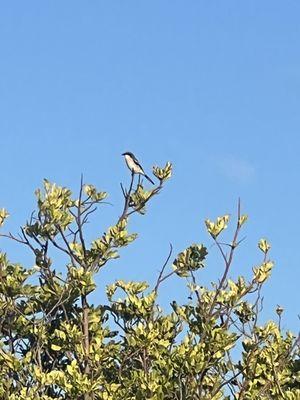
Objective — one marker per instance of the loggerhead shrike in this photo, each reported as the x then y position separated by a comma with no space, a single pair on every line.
134,165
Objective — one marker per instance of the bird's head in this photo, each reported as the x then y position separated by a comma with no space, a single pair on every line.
127,153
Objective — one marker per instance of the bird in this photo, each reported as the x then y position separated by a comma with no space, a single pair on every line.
134,165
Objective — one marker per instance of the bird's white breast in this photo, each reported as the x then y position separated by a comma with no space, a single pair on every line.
132,165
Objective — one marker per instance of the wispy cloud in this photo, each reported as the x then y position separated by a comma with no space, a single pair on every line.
236,168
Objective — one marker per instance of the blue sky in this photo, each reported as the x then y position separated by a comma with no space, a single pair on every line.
213,87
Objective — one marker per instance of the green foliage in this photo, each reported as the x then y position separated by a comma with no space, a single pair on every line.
215,228
139,198
163,173
55,344
190,259
264,246
3,215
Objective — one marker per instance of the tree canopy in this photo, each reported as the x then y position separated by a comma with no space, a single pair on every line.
56,344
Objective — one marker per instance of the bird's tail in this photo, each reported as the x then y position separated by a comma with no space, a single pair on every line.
149,179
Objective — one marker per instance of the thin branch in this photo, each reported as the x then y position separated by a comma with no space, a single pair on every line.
55,244
196,290
69,250
78,219
123,191
85,219
127,198
233,247
228,260
160,276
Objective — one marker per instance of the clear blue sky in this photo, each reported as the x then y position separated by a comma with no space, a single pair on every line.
212,86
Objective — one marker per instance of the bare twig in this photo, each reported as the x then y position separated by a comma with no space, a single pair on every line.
78,218
160,278
127,198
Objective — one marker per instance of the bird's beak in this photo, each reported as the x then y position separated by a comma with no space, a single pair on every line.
123,154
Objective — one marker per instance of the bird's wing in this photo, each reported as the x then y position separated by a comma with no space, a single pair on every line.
137,162
135,159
